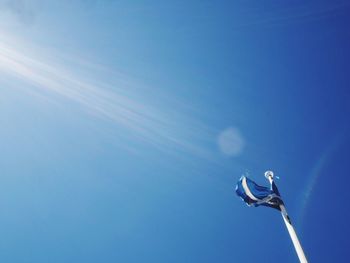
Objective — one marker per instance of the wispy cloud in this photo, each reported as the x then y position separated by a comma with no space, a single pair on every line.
115,102
318,170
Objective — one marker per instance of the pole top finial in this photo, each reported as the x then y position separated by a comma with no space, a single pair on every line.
269,175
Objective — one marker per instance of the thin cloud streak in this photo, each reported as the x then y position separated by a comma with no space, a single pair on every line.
316,172
144,122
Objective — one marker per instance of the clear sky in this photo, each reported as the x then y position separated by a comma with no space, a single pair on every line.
125,125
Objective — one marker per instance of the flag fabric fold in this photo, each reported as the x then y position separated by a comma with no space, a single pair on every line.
256,195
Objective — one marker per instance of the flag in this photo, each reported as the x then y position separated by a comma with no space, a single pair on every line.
254,194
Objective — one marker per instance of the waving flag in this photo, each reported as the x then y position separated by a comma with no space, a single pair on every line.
254,194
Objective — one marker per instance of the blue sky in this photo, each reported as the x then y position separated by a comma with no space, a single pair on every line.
125,126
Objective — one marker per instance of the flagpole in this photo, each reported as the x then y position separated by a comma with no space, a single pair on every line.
293,235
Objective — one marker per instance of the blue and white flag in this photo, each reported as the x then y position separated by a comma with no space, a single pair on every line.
254,194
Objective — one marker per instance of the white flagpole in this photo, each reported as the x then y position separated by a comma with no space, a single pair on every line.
291,231
293,235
